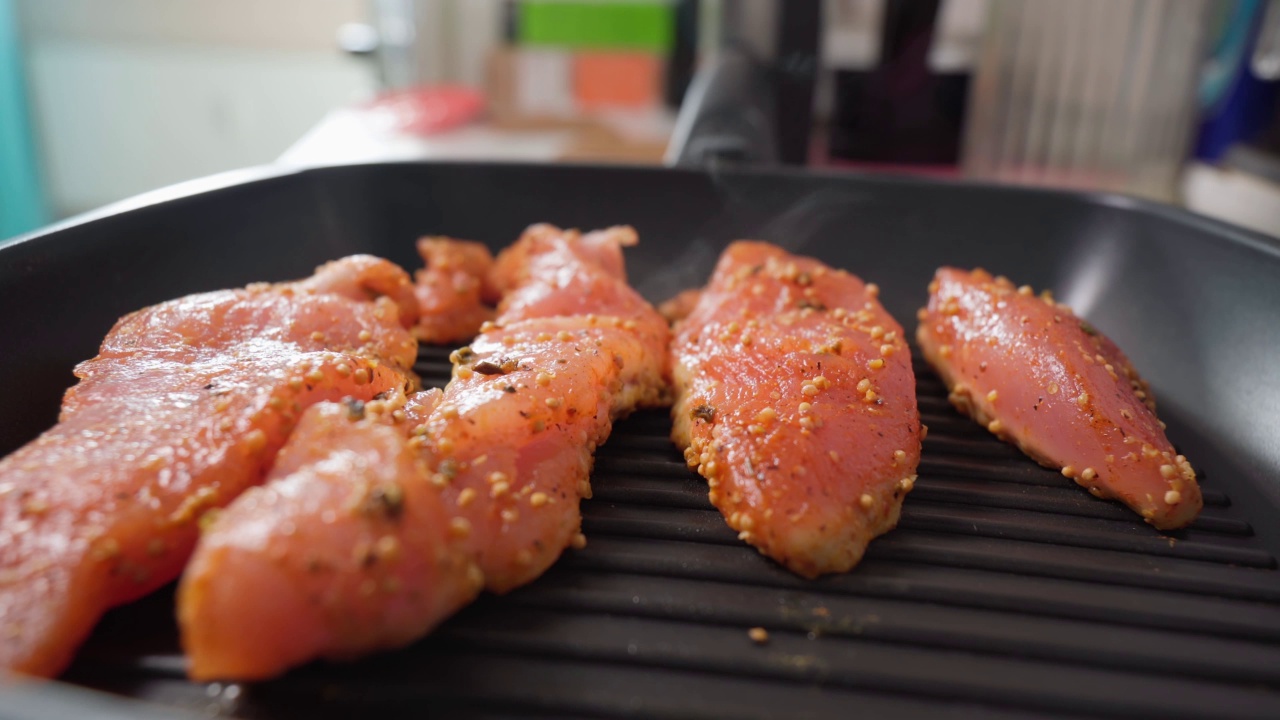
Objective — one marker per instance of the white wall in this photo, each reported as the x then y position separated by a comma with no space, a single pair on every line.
130,95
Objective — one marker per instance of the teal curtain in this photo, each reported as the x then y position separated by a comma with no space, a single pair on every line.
22,205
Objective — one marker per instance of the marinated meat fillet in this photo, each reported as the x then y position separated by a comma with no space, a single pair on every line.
601,249
365,278
796,401
184,407
1039,377
455,294
346,548
382,520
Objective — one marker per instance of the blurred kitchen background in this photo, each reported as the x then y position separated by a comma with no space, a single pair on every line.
1168,99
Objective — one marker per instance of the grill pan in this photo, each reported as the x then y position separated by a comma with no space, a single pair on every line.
1005,592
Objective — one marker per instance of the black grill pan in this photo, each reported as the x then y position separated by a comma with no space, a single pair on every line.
1005,592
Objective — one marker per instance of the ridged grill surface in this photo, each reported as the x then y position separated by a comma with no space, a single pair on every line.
1004,592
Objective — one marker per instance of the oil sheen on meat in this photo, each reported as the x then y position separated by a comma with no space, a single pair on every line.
1037,376
183,408
796,401
383,518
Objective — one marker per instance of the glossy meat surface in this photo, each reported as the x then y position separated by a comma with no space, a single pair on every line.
1039,377
796,401
184,407
487,479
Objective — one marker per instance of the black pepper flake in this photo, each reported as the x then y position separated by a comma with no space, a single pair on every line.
355,408
704,412
487,367
448,468
386,500
509,388
209,386
809,304
501,366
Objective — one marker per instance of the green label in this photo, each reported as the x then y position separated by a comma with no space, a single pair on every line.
614,25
